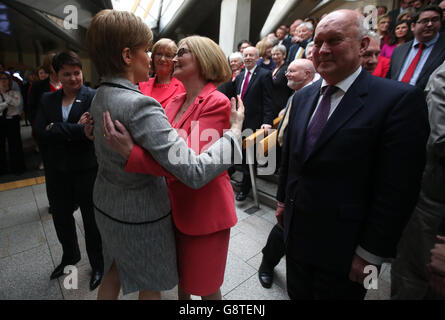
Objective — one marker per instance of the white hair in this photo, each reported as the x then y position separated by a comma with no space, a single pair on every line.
362,29
237,55
373,35
307,25
281,48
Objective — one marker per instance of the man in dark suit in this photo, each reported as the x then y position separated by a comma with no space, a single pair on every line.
303,34
254,86
409,272
415,61
71,163
393,14
283,37
351,166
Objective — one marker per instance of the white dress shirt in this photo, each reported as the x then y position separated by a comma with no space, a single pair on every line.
251,71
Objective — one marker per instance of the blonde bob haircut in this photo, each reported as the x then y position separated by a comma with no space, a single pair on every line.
263,45
109,33
164,44
211,59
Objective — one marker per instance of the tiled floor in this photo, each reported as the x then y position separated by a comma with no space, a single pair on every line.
29,251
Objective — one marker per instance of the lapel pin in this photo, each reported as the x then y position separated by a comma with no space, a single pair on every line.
78,100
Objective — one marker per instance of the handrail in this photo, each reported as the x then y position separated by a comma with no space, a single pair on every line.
260,133
269,142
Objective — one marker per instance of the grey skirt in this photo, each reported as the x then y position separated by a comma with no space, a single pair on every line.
145,255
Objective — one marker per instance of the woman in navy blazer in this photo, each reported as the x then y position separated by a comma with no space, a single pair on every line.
71,163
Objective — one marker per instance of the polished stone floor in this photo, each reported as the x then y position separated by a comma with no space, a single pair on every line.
29,251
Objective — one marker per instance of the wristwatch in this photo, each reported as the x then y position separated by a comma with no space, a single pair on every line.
49,127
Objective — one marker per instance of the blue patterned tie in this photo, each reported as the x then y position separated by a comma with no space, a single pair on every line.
319,120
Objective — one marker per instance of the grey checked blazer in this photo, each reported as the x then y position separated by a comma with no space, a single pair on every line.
133,197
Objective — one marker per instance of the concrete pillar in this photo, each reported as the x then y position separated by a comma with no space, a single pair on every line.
234,24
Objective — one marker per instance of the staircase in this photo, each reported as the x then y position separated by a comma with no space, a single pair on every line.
267,187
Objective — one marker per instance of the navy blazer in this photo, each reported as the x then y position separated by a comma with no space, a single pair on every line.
435,59
259,106
294,49
360,183
66,146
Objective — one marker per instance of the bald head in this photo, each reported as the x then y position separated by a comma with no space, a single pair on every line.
340,41
299,73
250,57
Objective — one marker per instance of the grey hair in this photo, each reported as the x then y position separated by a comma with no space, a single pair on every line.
307,25
362,29
410,11
281,48
373,35
236,55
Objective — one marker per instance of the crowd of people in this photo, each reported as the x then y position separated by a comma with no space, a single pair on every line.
360,141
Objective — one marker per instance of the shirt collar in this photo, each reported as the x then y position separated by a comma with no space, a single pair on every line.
427,44
346,83
251,70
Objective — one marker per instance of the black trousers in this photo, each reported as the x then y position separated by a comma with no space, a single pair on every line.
307,282
69,188
10,131
48,173
275,248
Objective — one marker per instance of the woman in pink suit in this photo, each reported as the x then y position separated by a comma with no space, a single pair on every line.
163,86
202,217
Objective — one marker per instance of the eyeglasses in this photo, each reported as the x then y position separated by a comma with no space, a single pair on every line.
182,51
159,55
432,20
289,72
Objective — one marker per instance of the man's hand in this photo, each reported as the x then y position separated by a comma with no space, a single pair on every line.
437,268
117,136
358,265
279,214
437,264
266,128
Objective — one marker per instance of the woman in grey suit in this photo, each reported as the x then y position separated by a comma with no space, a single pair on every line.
133,210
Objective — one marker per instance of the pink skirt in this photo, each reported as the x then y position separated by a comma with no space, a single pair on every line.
202,261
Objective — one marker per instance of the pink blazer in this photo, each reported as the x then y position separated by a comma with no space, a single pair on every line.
162,95
212,207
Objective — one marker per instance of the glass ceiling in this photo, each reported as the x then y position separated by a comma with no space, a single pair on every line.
155,13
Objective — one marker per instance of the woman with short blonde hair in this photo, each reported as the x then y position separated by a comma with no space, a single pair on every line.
163,86
212,61
265,52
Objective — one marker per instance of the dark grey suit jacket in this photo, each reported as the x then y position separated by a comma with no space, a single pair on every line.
435,59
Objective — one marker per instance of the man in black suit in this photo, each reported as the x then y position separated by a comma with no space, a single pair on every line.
71,163
393,14
351,166
415,61
254,86
283,37
303,34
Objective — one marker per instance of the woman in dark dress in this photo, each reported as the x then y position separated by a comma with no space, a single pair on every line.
281,91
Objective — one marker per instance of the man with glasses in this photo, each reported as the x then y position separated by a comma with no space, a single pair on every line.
415,61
